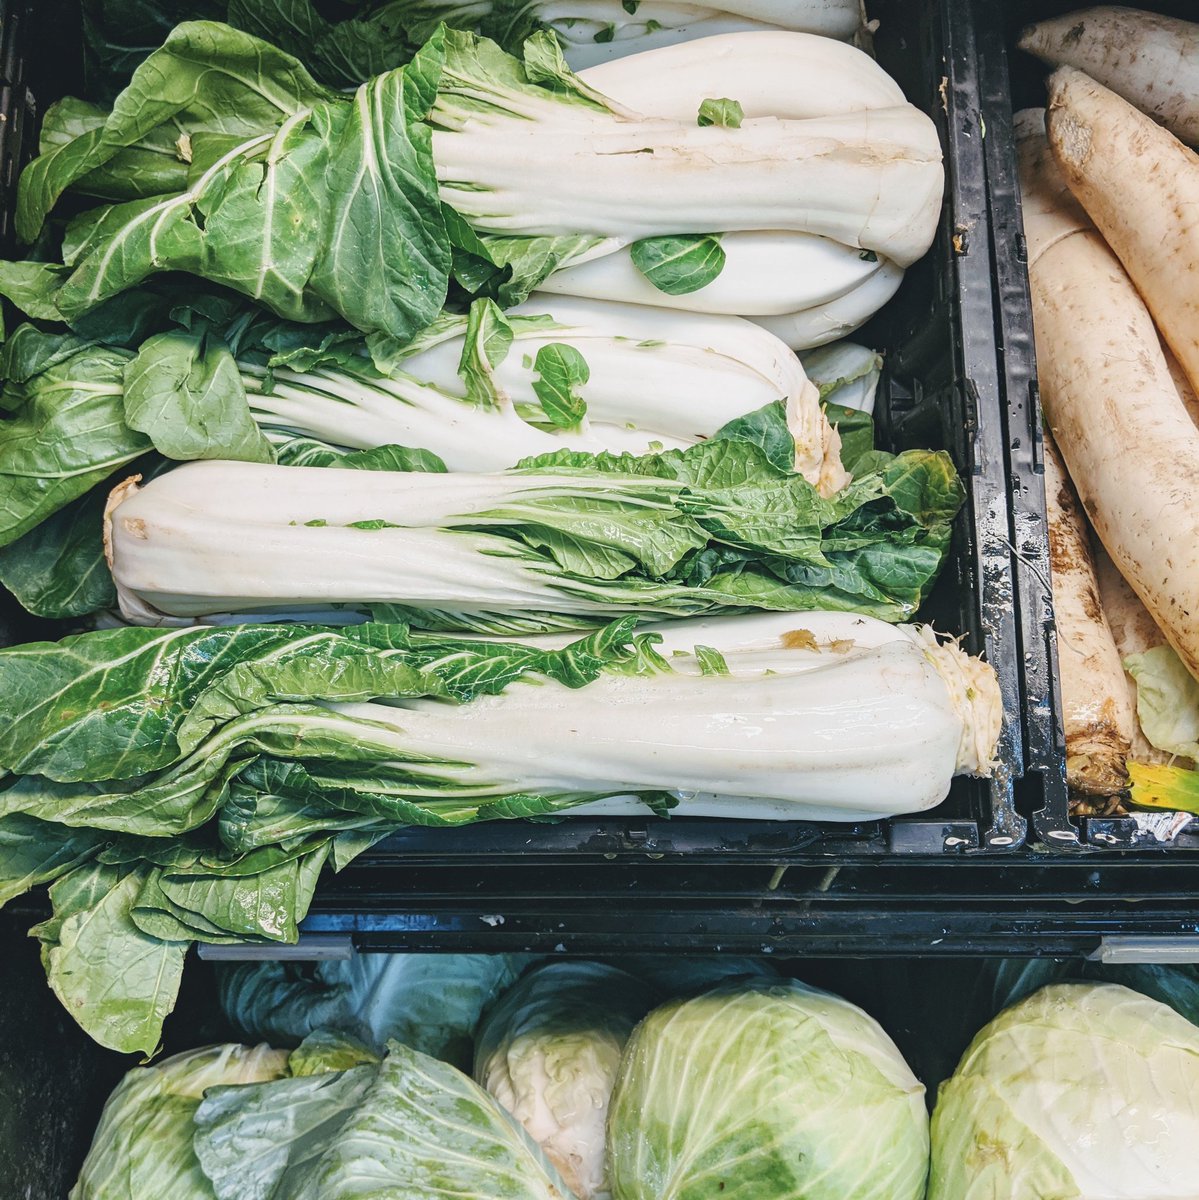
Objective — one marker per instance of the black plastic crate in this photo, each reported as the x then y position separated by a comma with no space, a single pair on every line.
943,388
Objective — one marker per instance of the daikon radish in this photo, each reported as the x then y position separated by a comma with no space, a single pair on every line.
1134,631
1099,717
1140,185
1131,449
1150,60
1183,384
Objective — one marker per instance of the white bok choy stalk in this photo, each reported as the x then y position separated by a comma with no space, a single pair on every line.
765,645
593,376
513,158
593,31
833,18
569,542
581,56
844,721
846,374
823,731
838,318
786,75
764,273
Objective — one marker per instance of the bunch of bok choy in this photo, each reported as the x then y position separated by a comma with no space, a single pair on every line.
190,785
344,42
566,541
396,450
223,158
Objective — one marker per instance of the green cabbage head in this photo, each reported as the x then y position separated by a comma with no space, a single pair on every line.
549,1051
766,1090
1083,1091
143,1148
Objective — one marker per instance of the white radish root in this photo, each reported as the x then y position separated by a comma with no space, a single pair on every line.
1134,631
1131,449
1099,717
1140,186
1183,384
1149,59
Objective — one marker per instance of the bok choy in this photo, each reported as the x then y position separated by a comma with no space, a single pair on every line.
350,40
190,785
467,164
477,393
514,157
566,542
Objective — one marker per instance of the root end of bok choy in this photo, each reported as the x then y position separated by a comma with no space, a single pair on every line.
974,693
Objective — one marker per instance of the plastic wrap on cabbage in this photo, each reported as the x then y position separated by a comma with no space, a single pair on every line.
1012,979
673,976
409,1127
142,1149
764,1089
431,1002
549,1050
1079,1091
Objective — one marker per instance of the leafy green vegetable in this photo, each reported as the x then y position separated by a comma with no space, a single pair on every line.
766,1088
857,437
1058,1083
725,112
324,1052
568,539
679,265
186,395
370,39
143,1144
1167,701
1161,786
561,371
416,1123
549,1050
429,1002
308,201
68,434
34,852
487,341
58,569
155,164
204,78
99,961
118,34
